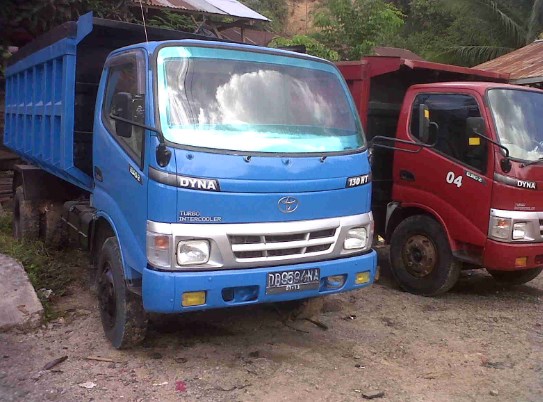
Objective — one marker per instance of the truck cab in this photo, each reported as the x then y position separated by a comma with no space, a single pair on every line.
211,174
468,196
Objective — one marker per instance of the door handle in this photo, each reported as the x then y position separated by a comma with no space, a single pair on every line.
98,174
407,175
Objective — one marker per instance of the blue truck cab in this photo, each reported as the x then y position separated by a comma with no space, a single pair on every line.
200,174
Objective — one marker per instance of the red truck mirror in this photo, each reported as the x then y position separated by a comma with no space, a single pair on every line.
424,123
476,127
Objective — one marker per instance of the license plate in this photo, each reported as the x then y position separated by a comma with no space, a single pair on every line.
293,281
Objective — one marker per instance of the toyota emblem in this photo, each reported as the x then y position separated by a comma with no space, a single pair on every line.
288,204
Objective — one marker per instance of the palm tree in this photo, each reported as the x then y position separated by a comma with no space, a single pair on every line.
511,31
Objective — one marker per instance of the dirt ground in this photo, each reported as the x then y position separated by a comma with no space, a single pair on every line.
479,342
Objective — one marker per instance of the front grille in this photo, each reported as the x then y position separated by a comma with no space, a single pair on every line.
282,246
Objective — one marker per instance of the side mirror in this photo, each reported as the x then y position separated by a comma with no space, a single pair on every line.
477,129
424,123
121,106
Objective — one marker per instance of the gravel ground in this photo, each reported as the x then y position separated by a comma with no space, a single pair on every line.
479,342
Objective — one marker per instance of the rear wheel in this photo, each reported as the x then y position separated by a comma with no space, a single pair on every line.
515,277
26,217
123,318
421,259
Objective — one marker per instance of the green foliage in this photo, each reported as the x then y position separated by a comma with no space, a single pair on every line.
312,46
119,10
498,27
46,268
469,32
171,20
426,28
275,10
354,27
24,20
34,17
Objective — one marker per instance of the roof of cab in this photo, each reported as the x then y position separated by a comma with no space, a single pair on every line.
478,86
152,47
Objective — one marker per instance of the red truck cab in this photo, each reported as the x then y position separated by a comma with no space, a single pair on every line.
469,195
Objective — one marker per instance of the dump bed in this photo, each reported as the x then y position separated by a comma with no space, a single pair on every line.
51,87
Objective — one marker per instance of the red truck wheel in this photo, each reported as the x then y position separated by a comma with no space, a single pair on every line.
26,217
123,318
421,259
515,277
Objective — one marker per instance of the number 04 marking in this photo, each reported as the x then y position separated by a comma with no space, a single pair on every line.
452,179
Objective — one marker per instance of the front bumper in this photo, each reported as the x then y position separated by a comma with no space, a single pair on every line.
162,291
502,256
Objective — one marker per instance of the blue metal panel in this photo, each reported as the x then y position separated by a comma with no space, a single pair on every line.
250,190
247,208
162,291
271,168
40,98
119,195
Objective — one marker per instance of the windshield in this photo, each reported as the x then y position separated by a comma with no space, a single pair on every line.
517,114
247,101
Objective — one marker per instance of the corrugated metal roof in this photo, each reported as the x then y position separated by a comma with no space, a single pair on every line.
525,65
227,8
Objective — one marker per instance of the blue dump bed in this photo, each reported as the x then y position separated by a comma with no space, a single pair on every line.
51,87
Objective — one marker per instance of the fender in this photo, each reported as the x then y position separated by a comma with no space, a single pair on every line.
132,257
394,208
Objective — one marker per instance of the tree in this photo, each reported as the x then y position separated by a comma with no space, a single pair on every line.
354,27
498,27
426,28
275,10
312,46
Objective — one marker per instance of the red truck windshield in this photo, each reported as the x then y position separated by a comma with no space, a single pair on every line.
517,115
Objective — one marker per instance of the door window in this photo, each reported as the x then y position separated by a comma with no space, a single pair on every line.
124,77
449,130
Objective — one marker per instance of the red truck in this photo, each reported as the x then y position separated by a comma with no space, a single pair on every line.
470,194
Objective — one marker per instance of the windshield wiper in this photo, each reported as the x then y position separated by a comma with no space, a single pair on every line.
531,162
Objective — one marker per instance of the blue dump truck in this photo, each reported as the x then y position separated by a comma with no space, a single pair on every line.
199,174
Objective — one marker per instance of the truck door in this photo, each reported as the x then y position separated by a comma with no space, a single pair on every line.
119,166
453,178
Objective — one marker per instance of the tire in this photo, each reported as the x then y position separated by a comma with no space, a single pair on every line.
515,277
52,230
421,259
26,217
121,311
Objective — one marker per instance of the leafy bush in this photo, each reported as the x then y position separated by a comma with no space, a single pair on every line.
354,27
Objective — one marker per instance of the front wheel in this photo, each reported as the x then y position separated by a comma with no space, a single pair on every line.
123,318
421,259
515,277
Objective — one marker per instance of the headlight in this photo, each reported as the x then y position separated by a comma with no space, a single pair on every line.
191,252
519,230
158,250
356,238
500,228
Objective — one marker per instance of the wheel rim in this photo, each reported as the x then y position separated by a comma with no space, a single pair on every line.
108,300
419,256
